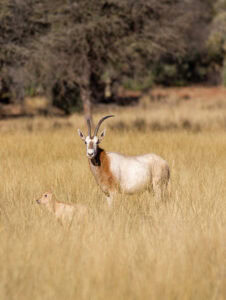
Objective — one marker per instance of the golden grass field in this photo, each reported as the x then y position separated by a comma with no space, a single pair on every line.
137,249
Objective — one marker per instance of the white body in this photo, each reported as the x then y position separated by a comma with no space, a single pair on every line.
132,174
137,173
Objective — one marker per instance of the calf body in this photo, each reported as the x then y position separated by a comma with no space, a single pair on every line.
63,212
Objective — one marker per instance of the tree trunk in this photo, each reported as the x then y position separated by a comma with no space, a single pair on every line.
86,100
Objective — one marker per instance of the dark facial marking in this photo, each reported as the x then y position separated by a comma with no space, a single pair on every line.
90,145
96,160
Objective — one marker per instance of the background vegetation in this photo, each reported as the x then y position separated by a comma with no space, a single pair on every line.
74,51
138,250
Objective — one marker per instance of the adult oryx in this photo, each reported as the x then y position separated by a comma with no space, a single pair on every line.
115,172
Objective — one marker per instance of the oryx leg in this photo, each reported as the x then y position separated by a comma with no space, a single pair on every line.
158,188
109,198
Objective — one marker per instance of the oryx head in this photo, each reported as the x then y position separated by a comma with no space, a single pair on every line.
93,141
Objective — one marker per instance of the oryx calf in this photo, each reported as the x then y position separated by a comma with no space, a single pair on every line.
115,172
62,211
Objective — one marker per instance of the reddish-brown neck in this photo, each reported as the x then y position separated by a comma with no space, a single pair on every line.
100,167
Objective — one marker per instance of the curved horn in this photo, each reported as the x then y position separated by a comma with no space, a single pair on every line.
100,122
89,126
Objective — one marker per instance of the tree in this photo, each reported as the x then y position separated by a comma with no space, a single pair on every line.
19,26
217,37
73,44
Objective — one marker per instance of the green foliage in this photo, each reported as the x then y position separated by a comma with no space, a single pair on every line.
224,73
67,98
217,37
140,84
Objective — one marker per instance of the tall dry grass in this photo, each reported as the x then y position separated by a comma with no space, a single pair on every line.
137,250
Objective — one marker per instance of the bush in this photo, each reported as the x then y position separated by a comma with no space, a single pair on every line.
67,98
224,73
217,37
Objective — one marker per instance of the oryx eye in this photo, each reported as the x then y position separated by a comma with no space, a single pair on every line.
45,195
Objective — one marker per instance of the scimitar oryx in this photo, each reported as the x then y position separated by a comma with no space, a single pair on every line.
115,172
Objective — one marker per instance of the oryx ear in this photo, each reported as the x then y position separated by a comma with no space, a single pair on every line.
81,135
102,135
